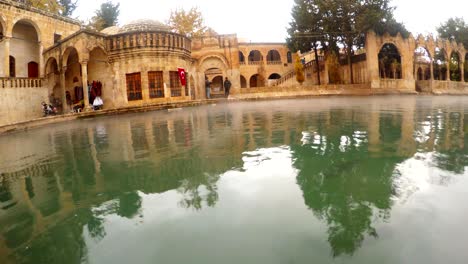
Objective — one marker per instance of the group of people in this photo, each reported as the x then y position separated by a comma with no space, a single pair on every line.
226,86
94,97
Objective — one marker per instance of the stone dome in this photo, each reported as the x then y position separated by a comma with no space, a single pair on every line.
143,25
111,30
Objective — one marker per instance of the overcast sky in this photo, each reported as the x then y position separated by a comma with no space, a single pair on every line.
266,20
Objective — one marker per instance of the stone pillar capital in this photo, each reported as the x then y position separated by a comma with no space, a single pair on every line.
84,62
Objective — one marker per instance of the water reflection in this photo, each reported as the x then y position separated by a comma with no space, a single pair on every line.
353,164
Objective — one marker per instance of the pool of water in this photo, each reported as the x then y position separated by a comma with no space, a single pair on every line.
326,180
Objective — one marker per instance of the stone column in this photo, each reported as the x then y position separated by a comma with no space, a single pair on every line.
84,80
41,61
145,86
431,66
167,89
6,52
462,69
448,71
372,61
64,89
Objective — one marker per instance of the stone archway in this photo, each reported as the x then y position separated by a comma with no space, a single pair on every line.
273,57
52,77
25,48
422,64
99,77
440,65
455,66
212,66
255,57
390,62
256,80
73,77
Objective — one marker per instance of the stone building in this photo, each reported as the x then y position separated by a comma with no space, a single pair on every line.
46,57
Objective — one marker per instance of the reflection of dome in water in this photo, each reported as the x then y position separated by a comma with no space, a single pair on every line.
143,25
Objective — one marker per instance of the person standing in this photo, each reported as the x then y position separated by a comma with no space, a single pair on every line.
227,87
207,87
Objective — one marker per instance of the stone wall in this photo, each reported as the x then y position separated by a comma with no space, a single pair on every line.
21,104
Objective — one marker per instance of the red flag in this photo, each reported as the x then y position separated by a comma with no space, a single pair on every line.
181,71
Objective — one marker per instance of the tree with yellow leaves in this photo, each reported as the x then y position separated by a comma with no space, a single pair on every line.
189,23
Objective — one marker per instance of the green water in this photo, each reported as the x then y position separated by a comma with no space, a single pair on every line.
328,180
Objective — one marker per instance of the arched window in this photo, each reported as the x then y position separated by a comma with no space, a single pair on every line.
12,66
255,57
273,57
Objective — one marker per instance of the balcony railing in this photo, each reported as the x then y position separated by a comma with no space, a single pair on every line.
20,82
255,62
274,62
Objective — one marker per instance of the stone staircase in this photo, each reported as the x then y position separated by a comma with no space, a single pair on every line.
310,65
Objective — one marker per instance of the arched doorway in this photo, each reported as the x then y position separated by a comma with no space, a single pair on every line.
455,67
389,62
217,83
440,65
273,78
273,57
213,66
422,63
256,81
255,57
99,77
25,48
243,82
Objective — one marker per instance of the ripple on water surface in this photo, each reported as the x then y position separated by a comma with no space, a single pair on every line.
325,180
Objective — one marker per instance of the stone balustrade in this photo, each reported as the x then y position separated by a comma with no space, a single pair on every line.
21,82
274,62
148,40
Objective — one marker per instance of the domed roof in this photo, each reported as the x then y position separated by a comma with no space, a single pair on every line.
143,25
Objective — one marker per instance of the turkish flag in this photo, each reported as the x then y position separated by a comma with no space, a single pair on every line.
182,78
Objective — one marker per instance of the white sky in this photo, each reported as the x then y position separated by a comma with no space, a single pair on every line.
267,20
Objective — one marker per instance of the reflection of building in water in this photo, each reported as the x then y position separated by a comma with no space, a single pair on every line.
345,158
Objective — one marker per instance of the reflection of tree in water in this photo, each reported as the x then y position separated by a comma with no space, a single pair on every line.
62,243
343,183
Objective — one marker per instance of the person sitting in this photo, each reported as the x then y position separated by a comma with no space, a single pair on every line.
98,103
78,107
